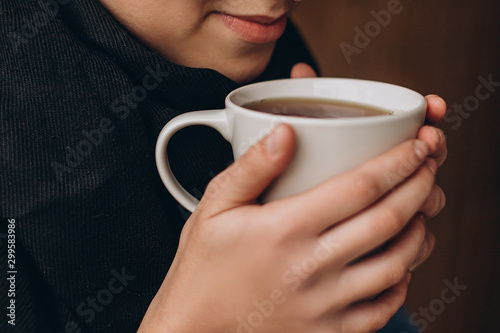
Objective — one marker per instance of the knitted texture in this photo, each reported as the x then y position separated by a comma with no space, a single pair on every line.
81,104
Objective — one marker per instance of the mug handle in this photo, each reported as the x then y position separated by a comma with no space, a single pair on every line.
216,119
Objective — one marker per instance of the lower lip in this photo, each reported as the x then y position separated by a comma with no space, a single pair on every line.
254,32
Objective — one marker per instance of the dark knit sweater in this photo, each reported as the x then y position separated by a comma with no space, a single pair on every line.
81,104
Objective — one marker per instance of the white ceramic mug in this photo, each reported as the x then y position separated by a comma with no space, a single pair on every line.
325,146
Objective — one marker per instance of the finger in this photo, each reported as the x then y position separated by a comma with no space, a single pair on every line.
425,250
243,181
436,141
346,194
302,70
374,226
375,314
383,270
434,203
436,108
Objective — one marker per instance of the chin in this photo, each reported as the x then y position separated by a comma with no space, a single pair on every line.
247,67
239,60
243,77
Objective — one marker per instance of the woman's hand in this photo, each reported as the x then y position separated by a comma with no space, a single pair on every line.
305,263
287,266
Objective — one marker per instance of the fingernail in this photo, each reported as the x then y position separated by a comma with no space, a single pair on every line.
273,141
439,135
431,164
421,149
441,101
437,97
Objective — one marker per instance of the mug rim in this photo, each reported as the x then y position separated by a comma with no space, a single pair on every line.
394,117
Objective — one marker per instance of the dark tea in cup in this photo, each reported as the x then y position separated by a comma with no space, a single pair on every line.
315,108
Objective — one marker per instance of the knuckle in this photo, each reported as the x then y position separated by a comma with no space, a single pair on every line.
369,185
437,205
211,187
428,184
254,163
436,202
442,198
382,320
386,315
420,229
423,253
390,221
441,138
420,239
217,183
213,234
389,308
428,245
396,273
202,229
425,184
311,312
247,163
399,300
379,320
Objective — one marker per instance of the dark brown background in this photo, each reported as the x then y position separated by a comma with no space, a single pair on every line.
437,46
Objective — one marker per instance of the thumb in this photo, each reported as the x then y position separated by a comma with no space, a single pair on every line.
244,180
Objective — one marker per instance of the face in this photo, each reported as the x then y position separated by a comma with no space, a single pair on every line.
234,37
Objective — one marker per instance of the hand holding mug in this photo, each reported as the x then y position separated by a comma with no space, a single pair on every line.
298,256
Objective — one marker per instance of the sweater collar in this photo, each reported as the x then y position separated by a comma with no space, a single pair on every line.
96,27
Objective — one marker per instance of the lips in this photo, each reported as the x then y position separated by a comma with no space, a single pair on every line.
256,28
